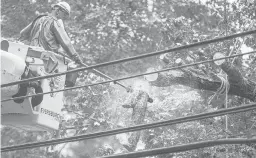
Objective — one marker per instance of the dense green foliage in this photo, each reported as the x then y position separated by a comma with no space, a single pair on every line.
105,30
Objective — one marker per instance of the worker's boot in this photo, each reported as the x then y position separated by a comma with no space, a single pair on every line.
36,100
22,92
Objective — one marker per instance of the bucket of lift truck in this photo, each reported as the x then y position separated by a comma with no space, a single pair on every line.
45,115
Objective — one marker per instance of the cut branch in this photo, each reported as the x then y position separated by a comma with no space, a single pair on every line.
234,75
138,101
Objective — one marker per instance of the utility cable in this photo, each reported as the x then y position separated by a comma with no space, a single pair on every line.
232,110
135,57
101,73
104,75
150,100
181,148
129,77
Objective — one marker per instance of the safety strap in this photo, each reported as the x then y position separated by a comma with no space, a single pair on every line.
33,23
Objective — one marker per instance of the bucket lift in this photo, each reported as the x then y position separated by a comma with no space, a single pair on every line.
41,113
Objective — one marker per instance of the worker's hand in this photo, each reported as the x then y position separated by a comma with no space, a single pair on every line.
77,59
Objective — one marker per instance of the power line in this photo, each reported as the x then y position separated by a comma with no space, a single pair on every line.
181,148
233,110
99,72
133,76
104,75
134,58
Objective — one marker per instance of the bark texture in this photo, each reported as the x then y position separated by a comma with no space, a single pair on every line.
138,102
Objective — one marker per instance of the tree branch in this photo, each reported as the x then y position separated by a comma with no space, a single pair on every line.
239,86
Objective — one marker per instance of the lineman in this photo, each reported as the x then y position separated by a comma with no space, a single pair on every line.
47,32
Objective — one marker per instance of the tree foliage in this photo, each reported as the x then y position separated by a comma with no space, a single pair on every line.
106,30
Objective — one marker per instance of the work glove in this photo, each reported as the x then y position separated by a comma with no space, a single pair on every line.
77,59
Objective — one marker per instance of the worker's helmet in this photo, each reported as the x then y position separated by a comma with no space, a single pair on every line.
64,5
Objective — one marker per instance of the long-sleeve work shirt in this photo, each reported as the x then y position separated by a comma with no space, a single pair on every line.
47,32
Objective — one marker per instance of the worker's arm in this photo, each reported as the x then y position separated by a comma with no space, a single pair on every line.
25,33
65,41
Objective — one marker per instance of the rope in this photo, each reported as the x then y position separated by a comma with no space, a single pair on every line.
226,76
223,88
232,110
181,148
133,76
135,57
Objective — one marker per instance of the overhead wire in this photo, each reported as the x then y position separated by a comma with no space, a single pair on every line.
181,148
128,77
232,110
104,75
98,72
134,57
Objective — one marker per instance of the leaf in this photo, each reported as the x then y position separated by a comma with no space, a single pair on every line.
96,124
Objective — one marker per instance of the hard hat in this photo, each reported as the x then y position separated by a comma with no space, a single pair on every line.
64,5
